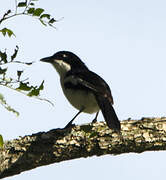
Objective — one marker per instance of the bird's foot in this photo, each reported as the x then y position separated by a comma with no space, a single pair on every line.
94,120
66,129
70,125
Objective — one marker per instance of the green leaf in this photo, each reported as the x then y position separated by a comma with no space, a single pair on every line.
1,97
7,31
45,16
30,63
24,87
31,10
10,33
7,106
38,12
3,57
8,12
14,54
3,31
43,22
22,4
19,74
4,16
41,87
51,21
2,71
36,91
32,4
1,141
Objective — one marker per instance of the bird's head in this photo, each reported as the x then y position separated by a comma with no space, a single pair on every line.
64,61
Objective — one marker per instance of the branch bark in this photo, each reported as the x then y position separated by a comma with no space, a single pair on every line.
43,148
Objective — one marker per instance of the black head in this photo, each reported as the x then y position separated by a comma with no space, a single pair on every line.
67,57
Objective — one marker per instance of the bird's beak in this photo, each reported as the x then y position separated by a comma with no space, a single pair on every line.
47,59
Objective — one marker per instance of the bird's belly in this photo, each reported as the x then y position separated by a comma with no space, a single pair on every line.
82,99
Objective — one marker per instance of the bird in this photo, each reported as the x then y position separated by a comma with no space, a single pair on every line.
84,89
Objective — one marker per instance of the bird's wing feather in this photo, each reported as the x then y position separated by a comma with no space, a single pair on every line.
88,81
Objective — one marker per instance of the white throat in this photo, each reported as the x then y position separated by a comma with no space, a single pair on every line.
61,67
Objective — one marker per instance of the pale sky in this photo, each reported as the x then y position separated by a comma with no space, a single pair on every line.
125,43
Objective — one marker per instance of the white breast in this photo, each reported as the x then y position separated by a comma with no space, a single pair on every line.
81,99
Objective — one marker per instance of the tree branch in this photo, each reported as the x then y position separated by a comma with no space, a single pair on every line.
43,148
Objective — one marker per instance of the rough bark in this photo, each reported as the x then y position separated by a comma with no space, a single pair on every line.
43,148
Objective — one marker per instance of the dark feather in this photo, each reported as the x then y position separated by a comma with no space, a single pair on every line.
89,81
108,113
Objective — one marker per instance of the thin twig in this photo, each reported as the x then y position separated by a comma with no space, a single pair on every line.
27,6
36,97
18,62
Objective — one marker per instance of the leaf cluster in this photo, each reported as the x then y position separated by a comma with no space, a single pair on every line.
22,7
27,7
18,83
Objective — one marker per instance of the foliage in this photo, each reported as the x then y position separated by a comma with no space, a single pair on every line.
1,141
19,84
27,7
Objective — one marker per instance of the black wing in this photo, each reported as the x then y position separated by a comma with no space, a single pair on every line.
89,81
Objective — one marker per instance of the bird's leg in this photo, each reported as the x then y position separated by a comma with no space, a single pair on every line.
70,123
95,119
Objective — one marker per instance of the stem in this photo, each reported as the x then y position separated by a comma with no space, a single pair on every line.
18,62
36,97
27,6
6,18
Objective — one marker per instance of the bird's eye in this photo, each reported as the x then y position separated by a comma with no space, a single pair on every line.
64,56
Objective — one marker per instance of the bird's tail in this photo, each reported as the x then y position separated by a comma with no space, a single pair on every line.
108,113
